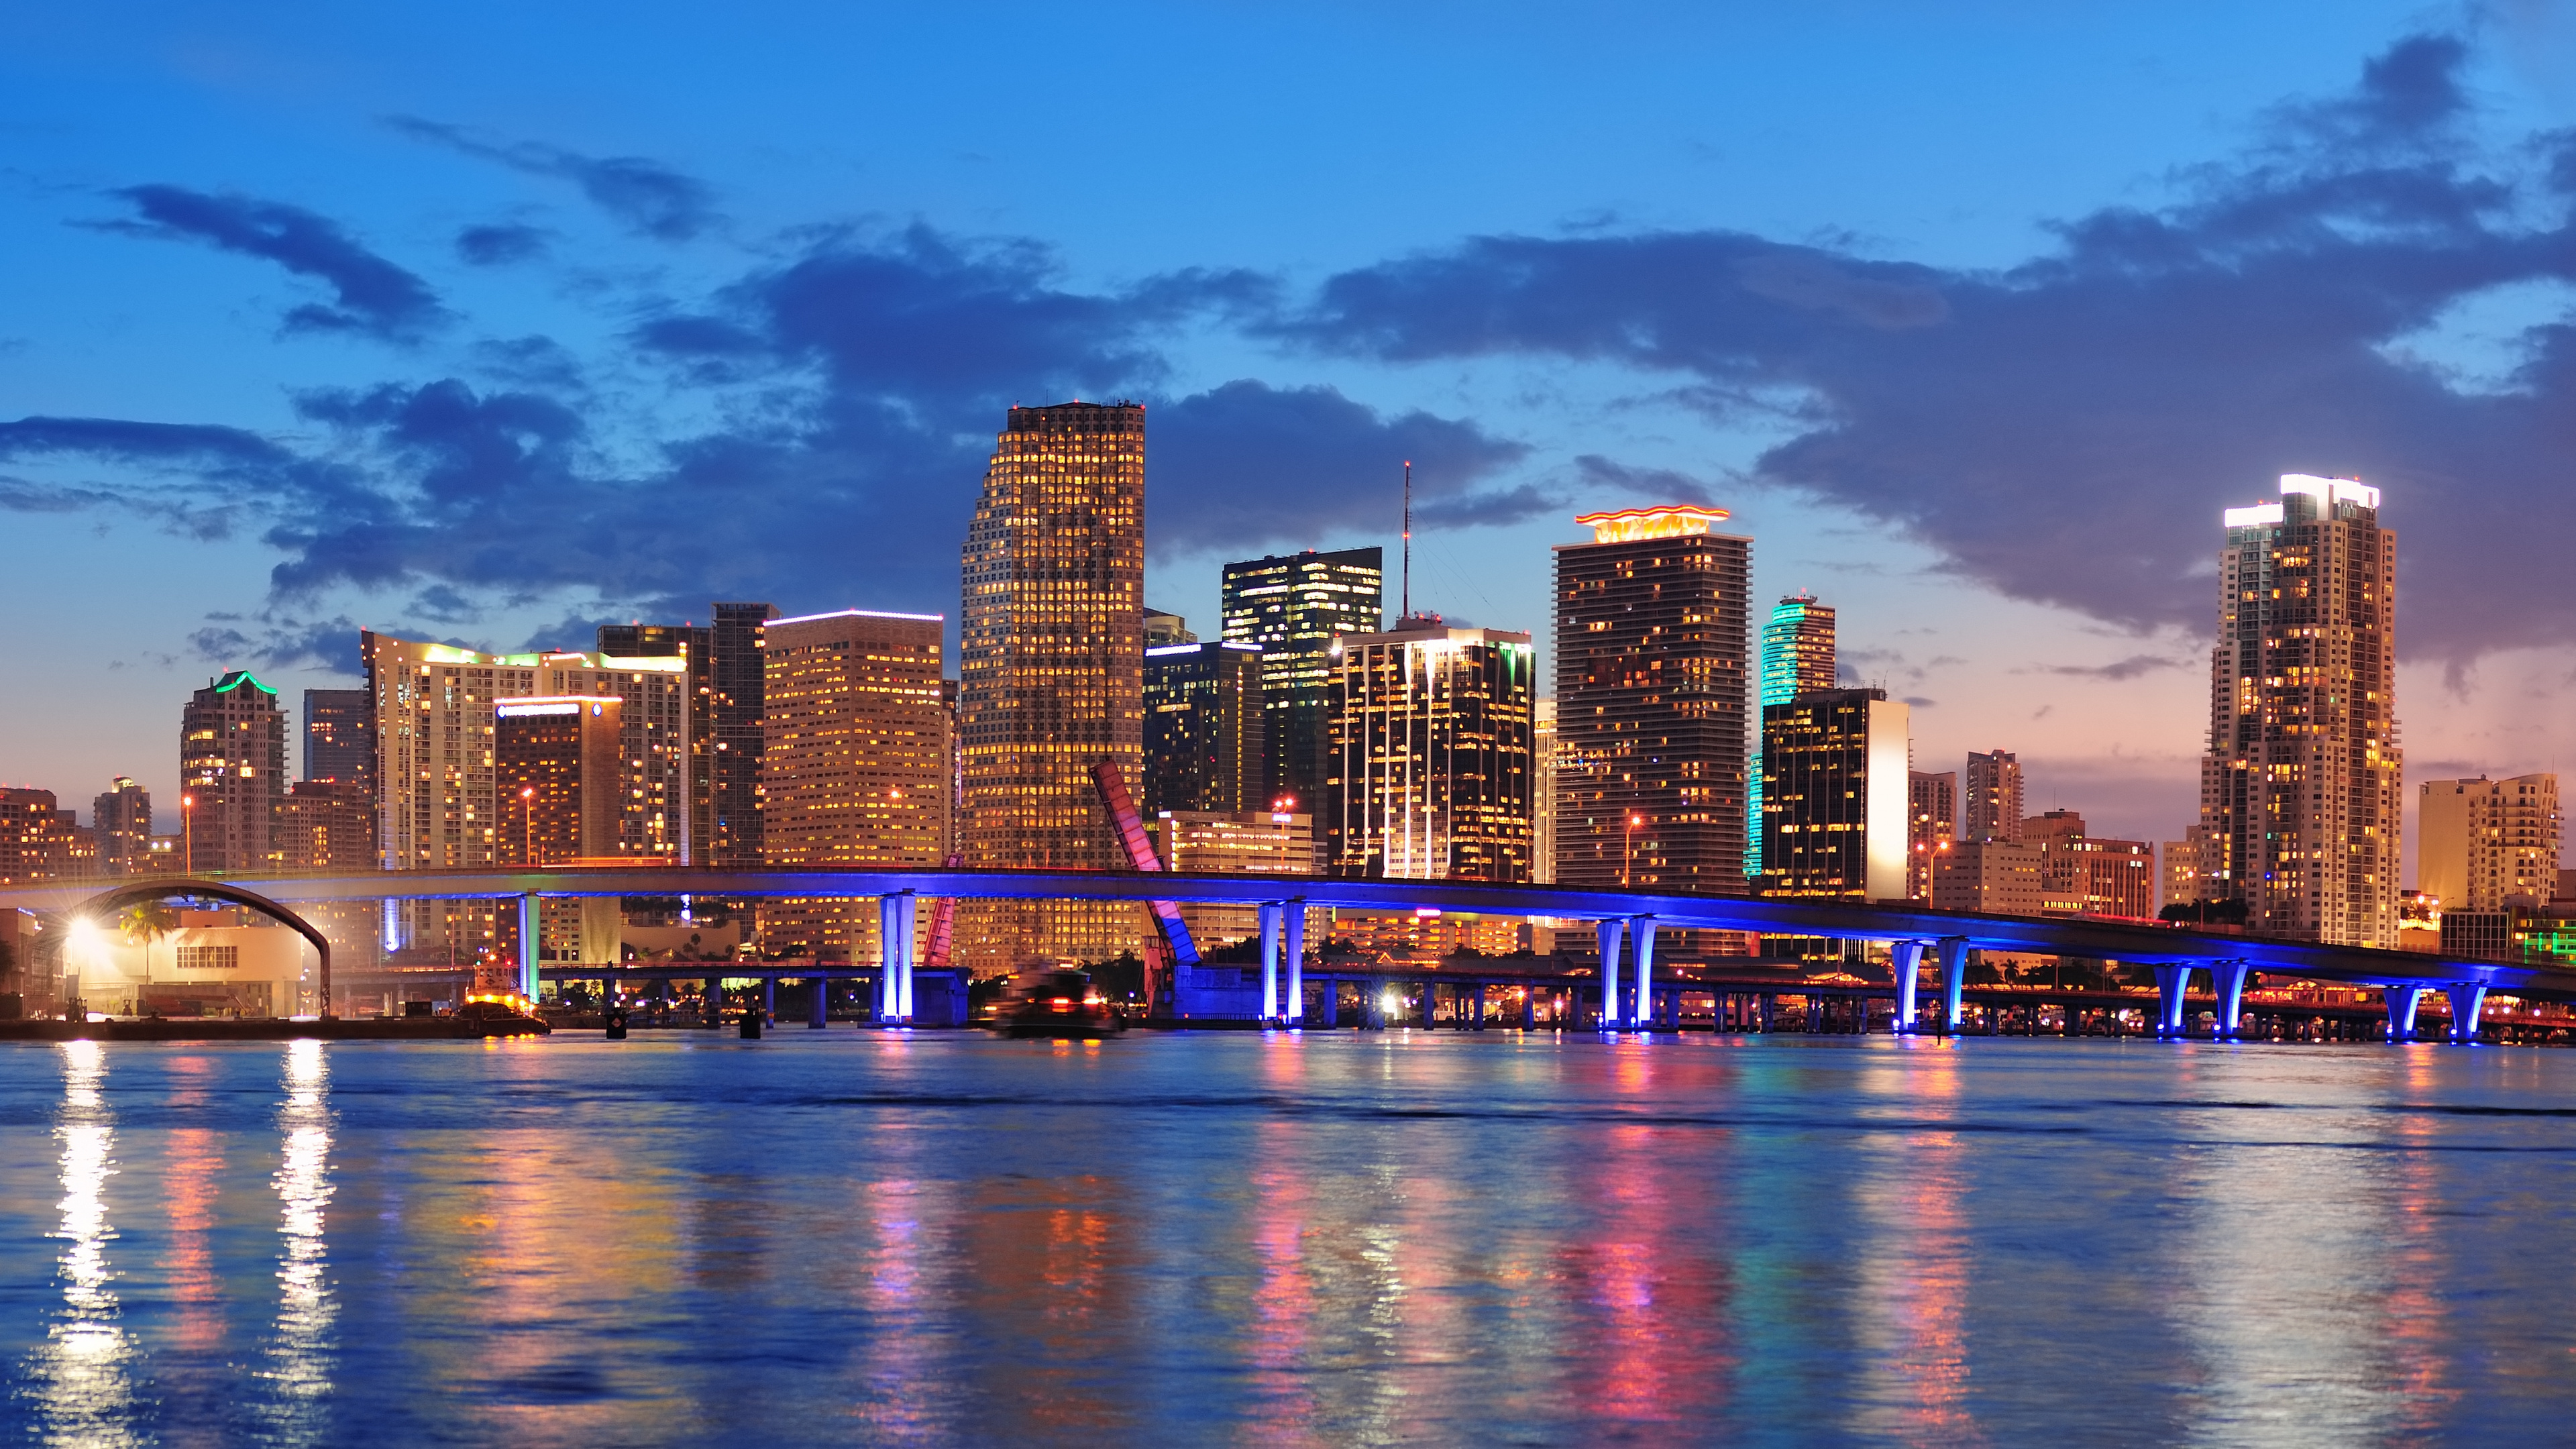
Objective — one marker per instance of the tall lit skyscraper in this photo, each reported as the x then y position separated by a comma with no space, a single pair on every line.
2482,843
1835,788
1203,729
340,738
559,766
1991,802
2300,792
1932,810
696,644
1051,674
122,816
1543,791
1651,689
1293,607
1797,656
232,774
740,671
1432,775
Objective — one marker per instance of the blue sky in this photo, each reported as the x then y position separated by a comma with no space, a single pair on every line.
490,322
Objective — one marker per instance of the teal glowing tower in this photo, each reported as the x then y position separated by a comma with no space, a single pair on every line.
1797,657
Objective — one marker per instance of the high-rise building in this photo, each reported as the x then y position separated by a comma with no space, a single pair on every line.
2003,877
2485,844
2081,874
1932,815
1163,629
1543,792
323,825
855,764
1203,729
1797,658
559,770
1432,775
1259,842
232,774
1051,674
1990,801
340,737
122,816
1835,785
739,670
35,836
696,644
1293,607
2300,790
1651,689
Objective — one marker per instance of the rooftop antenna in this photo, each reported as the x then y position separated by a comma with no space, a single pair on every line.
1408,544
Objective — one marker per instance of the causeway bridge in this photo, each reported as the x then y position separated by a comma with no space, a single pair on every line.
1627,923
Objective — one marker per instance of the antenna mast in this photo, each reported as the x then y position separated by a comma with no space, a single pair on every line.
1408,545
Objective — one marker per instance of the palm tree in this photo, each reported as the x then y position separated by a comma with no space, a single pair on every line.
142,924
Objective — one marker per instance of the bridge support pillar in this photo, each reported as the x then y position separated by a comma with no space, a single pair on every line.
528,942
1641,1007
1906,957
2402,1001
2229,978
2171,982
2468,998
820,1014
1292,931
1954,978
1270,924
894,958
769,1000
1480,1006
1609,933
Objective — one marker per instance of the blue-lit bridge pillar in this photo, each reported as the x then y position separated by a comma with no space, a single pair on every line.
1292,931
2229,978
1954,977
528,947
1641,1005
894,956
1905,958
1271,924
2171,982
2468,998
2402,1001
1609,932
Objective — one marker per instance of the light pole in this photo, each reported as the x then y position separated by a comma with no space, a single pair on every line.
187,835
528,824
1628,849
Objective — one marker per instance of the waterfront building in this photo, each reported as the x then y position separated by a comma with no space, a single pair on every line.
2088,875
1204,747
1651,689
1797,657
2486,844
739,671
340,737
35,836
1294,607
232,774
1990,801
855,765
2181,870
1431,773
2002,876
122,816
1251,842
2300,789
1051,675
1932,823
1543,792
1835,787
324,825
559,765
696,644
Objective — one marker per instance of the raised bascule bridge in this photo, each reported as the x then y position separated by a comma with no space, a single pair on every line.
1625,991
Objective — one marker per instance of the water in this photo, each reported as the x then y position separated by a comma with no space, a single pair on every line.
1351,1238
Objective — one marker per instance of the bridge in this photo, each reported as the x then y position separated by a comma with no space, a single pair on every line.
1626,923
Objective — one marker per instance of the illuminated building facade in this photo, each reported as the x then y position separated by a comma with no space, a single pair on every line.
1651,689
340,738
1432,775
1294,607
2300,792
1203,728
2005,877
1991,803
122,816
559,763
1051,674
2487,844
2090,875
1543,792
1932,823
696,644
740,670
1797,657
325,825
232,774
1252,842
855,764
1835,787
2181,870
35,836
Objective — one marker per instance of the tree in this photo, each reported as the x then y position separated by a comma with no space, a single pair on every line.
142,924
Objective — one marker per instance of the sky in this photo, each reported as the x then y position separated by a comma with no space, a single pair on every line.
490,323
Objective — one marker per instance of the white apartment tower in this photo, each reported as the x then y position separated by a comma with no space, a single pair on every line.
2483,842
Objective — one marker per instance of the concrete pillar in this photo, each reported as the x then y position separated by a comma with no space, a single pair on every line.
2402,1001
1529,1008
1270,923
768,1000
2229,978
1609,933
1480,1006
1641,937
527,949
1954,977
1908,965
819,1016
889,940
2467,999
1293,928
2172,980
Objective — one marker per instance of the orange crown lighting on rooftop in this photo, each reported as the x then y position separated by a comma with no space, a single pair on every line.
1671,520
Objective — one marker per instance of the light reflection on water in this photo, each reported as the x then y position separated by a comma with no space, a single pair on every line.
1279,1240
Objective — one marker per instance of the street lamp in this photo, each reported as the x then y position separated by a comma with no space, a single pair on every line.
187,834
528,823
1628,850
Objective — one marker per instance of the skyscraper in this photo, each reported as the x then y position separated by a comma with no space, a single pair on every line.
122,816
1932,810
739,671
1834,796
695,643
1051,673
1651,689
1293,607
340,738
2082,874
1431,776
855,764
232,774
1990,807
35,835
1797,656
2486,842
1543,791
2300,790
1203,729
559,770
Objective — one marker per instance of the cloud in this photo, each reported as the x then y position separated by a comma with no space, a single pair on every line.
279,642
2129,668
2066,430
1661,485
372,295
645,196
499,246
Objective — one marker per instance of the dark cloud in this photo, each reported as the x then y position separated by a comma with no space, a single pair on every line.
2067,430
646,196
499,246
2129,668
372,295
279,642
1657,485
